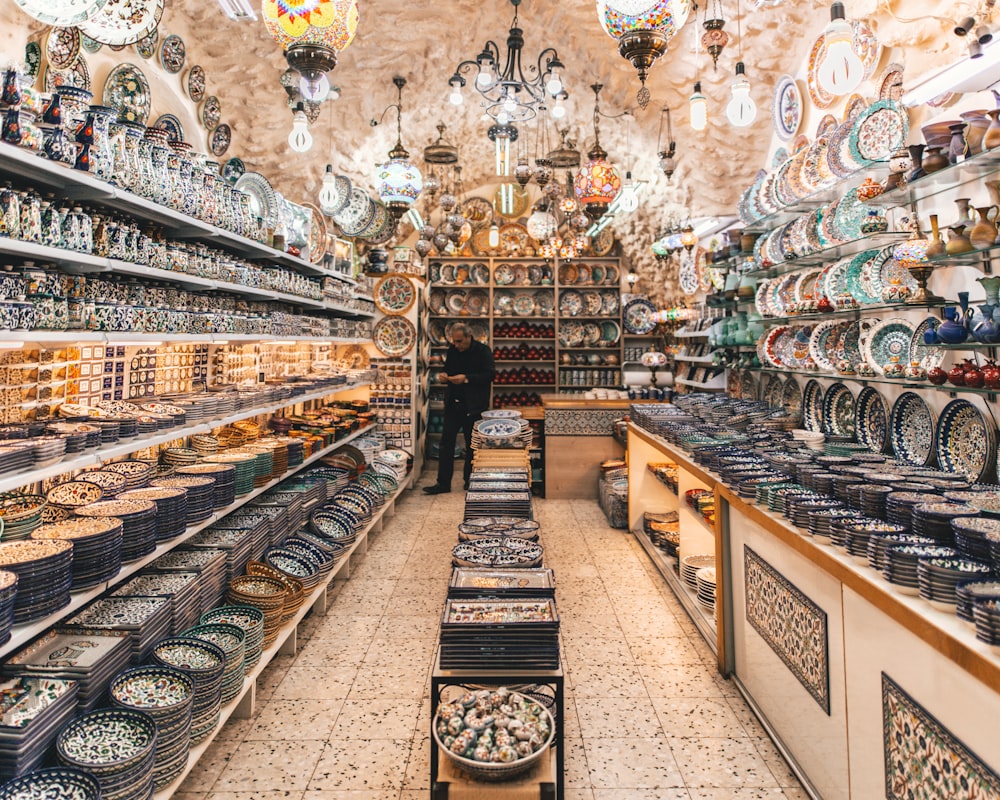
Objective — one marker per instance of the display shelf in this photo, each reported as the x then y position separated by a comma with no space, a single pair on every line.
904,382
524,338
22,634
287,634
709,359
691,334
955,176
873,241
129,338
858,311
706,386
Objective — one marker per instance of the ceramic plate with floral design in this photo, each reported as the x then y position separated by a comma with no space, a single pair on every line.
878,132
62,47
394,336
122,22
172,54
965,441
838,411
394,294
211,112
172,125
146,47
59,12
786,111
871,419
127,90
75,493
812,405
77,75
911,430
220,139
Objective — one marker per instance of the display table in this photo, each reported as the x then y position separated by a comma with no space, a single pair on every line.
579,435
448,782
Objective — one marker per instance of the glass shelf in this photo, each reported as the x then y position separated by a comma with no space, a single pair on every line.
849,313
974,258
865,379
944,180
874,241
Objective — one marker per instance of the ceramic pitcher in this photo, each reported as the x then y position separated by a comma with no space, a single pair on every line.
984,232
991,138
958,241
936,244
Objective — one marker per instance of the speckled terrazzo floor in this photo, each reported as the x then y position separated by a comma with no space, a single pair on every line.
348,716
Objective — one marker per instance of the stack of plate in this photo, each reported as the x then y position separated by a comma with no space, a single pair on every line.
245,466
146,425
500,634
147,620
330,549
171,509
493,503
986,614
115,745
97,547
74,494
295,593
336,477
8,591
482,583
934,519
802,508
180,588
177,414
237,545
91,659
821,522
873,499
901,564
968,592
312,488
506,434
296,565
279,456
277,520
899,506
973,536
398,461
110,430
200,494
209,563
204,663
112,483
52,782
858,537
167,695
939,578
841,526
256,526
179,456
204,444
705,588
335,525
291,503
250,620
261,592
480,527
296,451
16,456
48,450
231,639
138,519
20,514
225,481
35,707
137,473
263,464
879,544
497,551
690,566
44,575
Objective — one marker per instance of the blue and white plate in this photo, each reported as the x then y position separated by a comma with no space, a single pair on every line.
812,406
911,430
838,411
871,419
965,441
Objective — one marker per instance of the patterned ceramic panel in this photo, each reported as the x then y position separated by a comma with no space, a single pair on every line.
923,759
794,627
595,422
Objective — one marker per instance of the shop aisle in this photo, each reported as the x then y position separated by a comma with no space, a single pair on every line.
348,717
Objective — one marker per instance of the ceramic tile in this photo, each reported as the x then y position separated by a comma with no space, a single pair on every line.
631,764
698,716
377,718
747,718
678,681
206,771
327,652
576,769
705,793
272,676
617,681
719,762
290,720
422,626
617,718
361,794
270,766
348,626
235,730
650,625
190,795
579,794
776,762
642,794
317,682
382,653
360,764
283,794
662,651
418,765
392,681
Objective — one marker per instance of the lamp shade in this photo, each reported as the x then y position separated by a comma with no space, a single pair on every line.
619,17
324,23
541,225
597,182
398,181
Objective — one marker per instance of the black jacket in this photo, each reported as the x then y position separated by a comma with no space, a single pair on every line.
476,364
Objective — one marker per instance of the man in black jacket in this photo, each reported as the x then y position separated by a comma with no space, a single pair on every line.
468,373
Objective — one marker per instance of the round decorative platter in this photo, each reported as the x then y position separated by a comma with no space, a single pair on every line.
77,76
965,442
637,316
838,411
196,83
146,46
211,112
394,294
911,430
173,53
786,111
812,405
122,22
394,336
871,419
60,13
62,47
888,342
878,132
75,493
172,125
220,139
127,90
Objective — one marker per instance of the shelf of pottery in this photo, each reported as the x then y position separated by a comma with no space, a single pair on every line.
698,367
552,325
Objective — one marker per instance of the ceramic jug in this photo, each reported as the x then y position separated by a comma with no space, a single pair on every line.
983,326
958,148
936,244
991,138
958,241
935,159
984,232
965,217
978,123
952,330
916,159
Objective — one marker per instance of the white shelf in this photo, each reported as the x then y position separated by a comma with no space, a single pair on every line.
717,384
129,338
709,359
691,334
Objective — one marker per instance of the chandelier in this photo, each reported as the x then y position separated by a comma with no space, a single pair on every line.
508,94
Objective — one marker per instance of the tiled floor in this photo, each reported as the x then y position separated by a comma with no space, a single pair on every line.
348,717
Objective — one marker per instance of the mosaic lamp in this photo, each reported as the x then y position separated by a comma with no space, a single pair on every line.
597,183
398,181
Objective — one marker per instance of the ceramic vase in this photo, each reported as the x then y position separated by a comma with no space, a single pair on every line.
958,148
984,232
958,241
935,246
916,160
991,138
935,159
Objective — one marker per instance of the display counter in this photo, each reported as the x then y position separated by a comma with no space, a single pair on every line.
579,435
867,691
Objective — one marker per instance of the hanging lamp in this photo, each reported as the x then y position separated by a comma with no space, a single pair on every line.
398,180
597,183
666,163
715,38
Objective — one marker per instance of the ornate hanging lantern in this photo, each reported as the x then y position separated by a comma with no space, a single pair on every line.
398,180
714,39
597,183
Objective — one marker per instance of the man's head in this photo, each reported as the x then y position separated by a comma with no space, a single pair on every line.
461,337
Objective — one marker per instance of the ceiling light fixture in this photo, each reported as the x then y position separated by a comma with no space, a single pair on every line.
628,198
238,9
300,140
502,136
398,180
715,38
597,183
508,95
841,70
698,109
742,110
667,163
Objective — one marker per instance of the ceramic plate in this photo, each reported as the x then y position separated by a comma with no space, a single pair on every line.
263,201
888,342
172,125
812,406
394,294
926,356
878,132
146,46
172,54
911,430
233,169
62,47
871,420
211,112
638,316
357,214
838,411
122,22
195,82
786,111
78,76
220,139
965,442
603,242
791,396
819,341
478,211
75,493
394,336
127,90
60,12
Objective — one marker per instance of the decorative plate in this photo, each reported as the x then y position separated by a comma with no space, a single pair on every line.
524,305
75,493
317,230
854,106
478,211
122,22
911,430
263,201
838,411
786,111
818,344
771,394
196,82
826,126
65,783
394,336
890,83
220,139
570,303
62,47
687,274
111,482
233,169
357,214
78,76
172,54
32,60
514,238
127,90
90,45
780,157
146,46
172,125
519,201
60,13
603,242
926,356
812,405
638,316
888,342
878,132
211,112
965,441
871,419
791,396
394,294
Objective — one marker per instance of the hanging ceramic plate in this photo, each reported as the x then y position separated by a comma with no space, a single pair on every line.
263,201
78,76
888,342
638,316
88,44
195,82
603,243
127,90
818,344
32,60
376,227
317,232
786,111
60,12
748,385
146,46
357,214
394,336
838,411
791,396
780,157
394,294
772,391
911,430
514,238
211,112
965,442
172,125
871,419
878,132
478,211
510,201
812,406
62,46
233,169
220,139
122,22
925,355
854,106
827,125
172,54
687,274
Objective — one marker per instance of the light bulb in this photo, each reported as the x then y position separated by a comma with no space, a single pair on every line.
494,239
699,109
328,192
628,197
841,70
300,140
455,98
559,110
315,89
742,110
510,103
483,79
554,86
503,117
